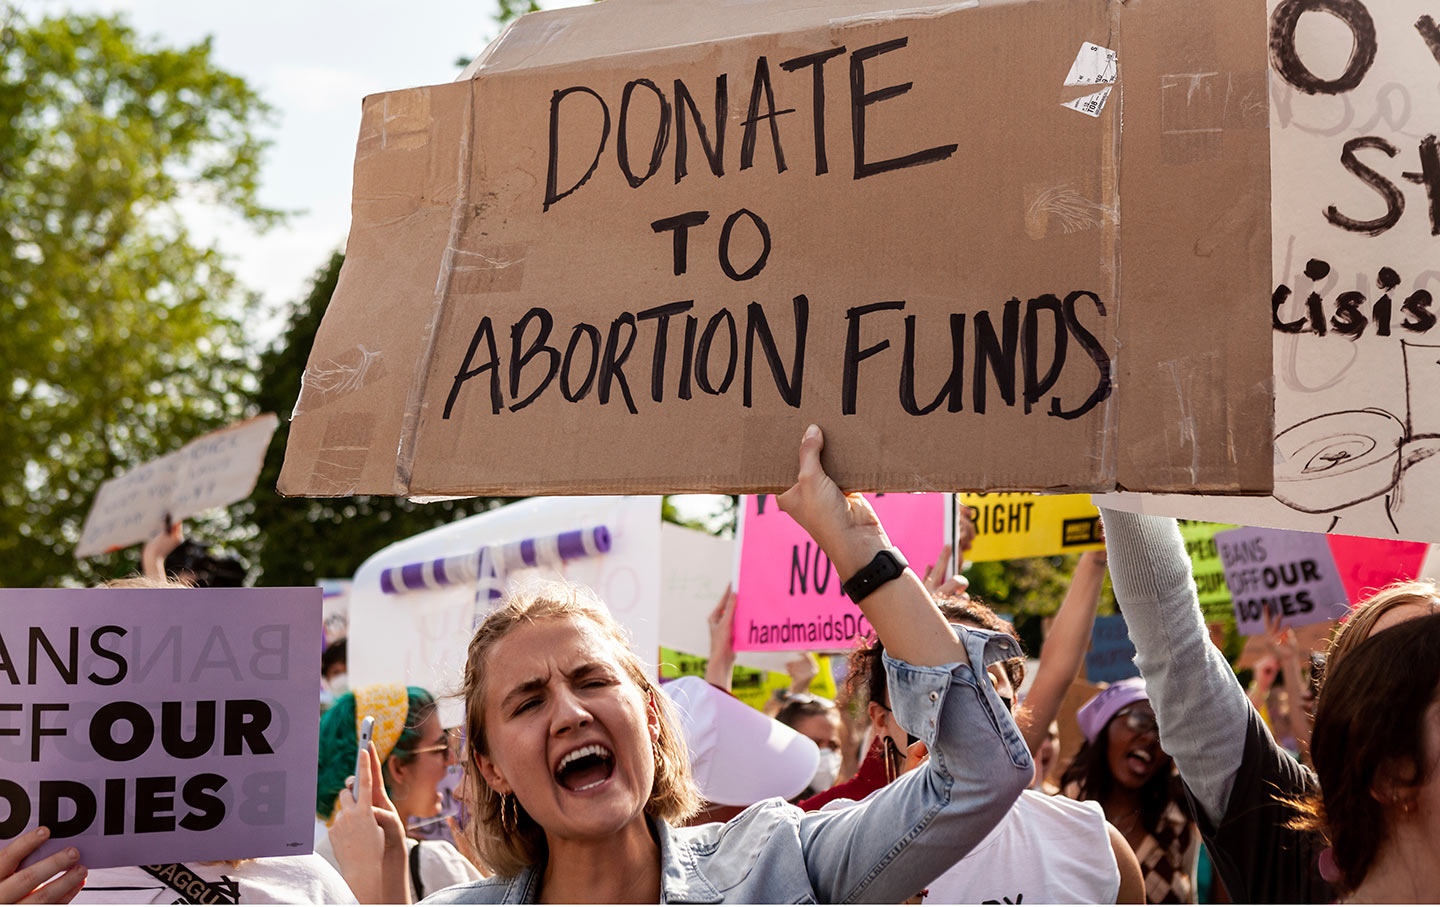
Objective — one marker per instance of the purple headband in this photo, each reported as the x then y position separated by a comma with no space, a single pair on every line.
1100,708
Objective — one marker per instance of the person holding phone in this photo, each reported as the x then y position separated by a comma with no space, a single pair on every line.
414,754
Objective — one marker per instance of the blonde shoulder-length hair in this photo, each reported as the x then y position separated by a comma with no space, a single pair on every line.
1360,625
673,796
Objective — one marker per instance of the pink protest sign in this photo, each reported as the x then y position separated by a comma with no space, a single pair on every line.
1367,565
789,596
1291,574
149,726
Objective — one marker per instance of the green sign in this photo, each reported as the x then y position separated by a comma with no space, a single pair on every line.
1209,573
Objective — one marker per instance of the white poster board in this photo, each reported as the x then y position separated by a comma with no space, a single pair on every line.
420,638
1355,216
211,471
695,567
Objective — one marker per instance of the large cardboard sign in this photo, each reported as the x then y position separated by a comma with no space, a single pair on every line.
789,595
421,637
1031,525
1291,574
1356,230
606,262
160,725
211,471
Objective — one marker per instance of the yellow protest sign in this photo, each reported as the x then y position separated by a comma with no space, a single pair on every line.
750,686
1030,525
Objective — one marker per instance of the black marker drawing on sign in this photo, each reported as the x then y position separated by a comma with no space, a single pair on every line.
1342,459
1286,58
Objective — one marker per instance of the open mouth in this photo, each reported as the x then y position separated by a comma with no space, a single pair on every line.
585,768
1140,760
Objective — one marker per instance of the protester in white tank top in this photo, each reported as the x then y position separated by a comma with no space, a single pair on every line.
1047,850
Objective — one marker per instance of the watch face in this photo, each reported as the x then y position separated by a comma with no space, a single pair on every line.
885,566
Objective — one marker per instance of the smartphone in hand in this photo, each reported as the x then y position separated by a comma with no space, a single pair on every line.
367,732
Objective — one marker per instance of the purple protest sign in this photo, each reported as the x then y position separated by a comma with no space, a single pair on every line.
151,726
1293,574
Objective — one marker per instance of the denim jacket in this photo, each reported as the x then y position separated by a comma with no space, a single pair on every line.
883,850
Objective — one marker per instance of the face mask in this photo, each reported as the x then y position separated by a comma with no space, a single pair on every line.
339,685
826,771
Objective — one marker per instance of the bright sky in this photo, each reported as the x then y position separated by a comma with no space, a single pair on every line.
313,62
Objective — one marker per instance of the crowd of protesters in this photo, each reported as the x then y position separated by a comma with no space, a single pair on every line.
931,779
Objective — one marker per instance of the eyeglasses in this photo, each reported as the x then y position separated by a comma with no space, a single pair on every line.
1139,720
448,746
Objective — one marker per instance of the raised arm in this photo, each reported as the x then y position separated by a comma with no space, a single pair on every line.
1201,710
720,667
901,839
846,528
1063,653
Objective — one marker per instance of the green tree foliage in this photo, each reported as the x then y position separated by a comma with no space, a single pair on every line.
120,333
301,540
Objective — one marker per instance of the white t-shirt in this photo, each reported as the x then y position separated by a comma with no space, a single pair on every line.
441,865
303,879
1047,850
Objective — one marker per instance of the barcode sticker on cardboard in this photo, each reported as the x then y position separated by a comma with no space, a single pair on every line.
1091,104
1094,65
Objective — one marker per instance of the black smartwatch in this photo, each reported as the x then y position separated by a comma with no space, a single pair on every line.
887,564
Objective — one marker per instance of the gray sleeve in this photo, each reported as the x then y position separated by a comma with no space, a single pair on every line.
1201,709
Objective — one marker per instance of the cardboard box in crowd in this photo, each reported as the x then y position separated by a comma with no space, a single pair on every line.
646,242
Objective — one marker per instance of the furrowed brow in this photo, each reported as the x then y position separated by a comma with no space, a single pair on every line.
523,689
589,669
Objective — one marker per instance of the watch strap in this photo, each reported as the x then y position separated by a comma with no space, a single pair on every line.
887,564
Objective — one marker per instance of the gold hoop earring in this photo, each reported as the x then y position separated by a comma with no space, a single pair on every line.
508,818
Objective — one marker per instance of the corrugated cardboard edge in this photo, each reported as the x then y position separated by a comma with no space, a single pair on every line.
1177,193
